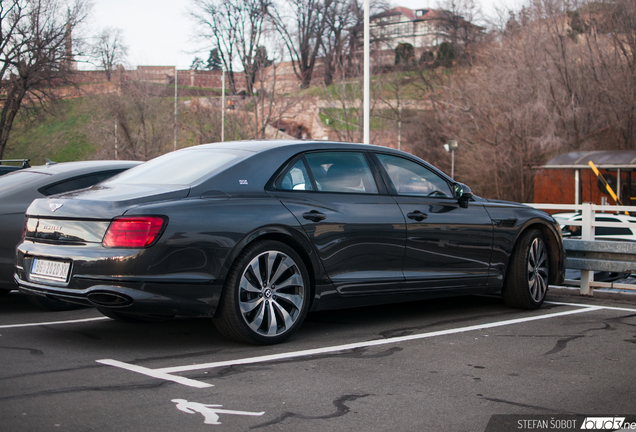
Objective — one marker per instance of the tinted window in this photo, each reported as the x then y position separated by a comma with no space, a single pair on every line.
410,178
78,182
296,178
599,231
341,172
181,167
20,180
8,169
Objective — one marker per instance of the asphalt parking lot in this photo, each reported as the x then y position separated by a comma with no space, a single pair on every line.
437,365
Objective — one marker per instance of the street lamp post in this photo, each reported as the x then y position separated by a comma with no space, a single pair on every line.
175,107
366,117
223,105
451,146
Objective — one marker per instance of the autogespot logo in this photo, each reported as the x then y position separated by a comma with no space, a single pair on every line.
604,423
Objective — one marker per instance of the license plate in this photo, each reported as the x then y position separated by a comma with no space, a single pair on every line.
51,270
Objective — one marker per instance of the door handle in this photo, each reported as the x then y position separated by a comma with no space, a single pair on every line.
314,216
417,215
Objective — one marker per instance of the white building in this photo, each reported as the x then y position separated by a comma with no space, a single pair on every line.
422,28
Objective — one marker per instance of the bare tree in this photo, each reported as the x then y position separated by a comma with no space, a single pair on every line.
35,53
339,19
109,50
457,21
273,111
235,28
607,35
202,118
138,122
343,105
301,26
561,77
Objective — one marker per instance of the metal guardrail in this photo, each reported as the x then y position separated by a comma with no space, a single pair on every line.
588,254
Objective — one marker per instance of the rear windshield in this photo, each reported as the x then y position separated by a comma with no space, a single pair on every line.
20,180
186,167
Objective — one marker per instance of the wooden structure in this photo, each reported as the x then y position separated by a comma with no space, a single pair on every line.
568,178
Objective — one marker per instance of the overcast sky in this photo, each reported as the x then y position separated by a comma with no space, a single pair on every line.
159,32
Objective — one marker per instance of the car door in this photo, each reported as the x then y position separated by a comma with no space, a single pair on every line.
357,231
447,246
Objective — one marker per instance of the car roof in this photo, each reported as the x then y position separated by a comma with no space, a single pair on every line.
264,145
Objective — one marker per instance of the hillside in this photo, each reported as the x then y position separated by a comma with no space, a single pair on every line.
58,135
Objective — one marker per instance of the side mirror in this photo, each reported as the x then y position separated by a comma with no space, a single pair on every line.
462,194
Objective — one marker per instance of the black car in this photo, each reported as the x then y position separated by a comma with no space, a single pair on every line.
255,234
19,188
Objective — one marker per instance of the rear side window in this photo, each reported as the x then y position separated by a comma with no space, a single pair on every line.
296,178
346,172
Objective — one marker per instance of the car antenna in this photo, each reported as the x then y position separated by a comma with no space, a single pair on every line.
49,161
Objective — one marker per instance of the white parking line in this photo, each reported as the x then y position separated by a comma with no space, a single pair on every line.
166,373
53,322
584,305
156,373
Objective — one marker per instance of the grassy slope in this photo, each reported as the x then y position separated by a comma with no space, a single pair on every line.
58,136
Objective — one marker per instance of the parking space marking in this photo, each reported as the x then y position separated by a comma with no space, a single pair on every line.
583,305
166,373
156,373
53,322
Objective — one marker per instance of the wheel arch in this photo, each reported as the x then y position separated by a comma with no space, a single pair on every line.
555,246
282,234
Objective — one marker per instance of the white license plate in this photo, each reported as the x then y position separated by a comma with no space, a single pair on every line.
51,270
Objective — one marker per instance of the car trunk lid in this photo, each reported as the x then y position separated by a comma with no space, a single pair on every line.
84,216
101,202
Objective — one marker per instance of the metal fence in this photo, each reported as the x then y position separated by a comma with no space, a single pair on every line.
589,254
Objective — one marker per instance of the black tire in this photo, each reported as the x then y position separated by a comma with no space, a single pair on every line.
528,272
52,304
131,318
266,295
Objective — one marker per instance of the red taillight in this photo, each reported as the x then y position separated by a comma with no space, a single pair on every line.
133,232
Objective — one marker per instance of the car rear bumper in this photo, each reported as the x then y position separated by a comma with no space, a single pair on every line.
138,297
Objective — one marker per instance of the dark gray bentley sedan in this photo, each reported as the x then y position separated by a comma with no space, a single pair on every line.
256,234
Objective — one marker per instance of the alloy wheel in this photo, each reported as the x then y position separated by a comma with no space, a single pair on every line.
537,269
271,293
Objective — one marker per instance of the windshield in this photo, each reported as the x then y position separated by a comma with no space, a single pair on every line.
185,167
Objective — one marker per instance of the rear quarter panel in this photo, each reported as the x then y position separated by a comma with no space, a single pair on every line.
206,235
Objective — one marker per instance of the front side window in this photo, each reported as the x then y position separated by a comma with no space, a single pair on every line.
410,178
346,172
